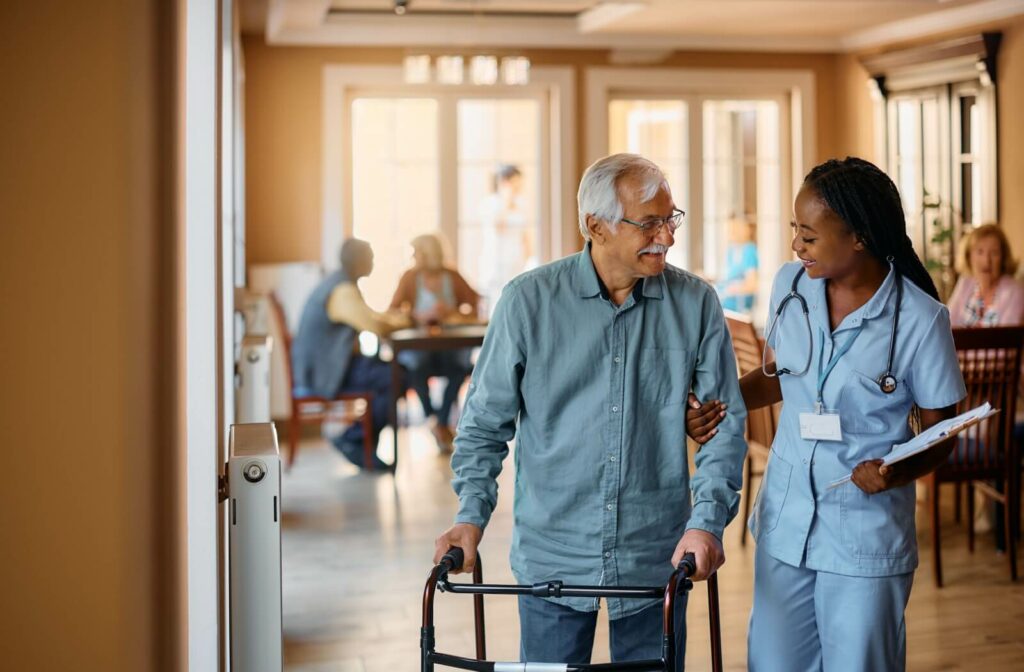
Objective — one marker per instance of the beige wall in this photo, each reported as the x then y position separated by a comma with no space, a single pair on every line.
80,349
283,127
855,128
1011,133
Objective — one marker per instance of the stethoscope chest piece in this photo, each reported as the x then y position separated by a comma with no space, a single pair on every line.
888,383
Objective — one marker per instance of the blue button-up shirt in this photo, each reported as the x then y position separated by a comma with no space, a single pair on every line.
798,518
595,395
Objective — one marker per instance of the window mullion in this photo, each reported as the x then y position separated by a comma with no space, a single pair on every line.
695,159
448,169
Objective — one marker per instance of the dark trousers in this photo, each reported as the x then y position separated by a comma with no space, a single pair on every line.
554,633
366,374
454,366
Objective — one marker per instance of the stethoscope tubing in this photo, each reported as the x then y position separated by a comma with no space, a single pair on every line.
886,382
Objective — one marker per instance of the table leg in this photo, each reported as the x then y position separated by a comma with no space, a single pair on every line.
396,382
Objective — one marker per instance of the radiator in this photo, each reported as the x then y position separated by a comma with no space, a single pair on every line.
254,546
252,380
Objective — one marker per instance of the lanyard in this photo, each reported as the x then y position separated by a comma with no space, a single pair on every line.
823,375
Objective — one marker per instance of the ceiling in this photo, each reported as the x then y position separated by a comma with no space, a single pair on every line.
748,25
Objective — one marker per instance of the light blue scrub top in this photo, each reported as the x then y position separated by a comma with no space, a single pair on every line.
798,519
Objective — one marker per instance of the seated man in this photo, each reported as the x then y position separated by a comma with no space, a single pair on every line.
325,362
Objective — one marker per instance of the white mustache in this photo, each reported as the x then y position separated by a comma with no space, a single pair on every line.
656,248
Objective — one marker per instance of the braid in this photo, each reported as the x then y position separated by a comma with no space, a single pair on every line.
864,197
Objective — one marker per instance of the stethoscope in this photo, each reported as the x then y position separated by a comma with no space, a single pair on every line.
886,382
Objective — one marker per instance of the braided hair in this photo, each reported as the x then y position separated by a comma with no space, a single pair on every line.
864,197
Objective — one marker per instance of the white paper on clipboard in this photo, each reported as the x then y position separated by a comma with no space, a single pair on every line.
937,433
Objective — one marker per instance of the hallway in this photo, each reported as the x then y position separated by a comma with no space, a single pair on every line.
357,549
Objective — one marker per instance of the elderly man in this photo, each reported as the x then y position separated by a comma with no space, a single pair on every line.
588,362
324,358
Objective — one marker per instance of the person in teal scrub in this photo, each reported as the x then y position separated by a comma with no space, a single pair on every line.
738,287
860,340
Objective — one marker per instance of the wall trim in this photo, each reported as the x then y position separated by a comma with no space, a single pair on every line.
453,32
956,18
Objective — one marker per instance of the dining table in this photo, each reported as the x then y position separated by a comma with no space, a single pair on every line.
432,338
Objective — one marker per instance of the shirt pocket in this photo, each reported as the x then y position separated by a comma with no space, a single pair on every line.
665,375
865,409
771,496
879,525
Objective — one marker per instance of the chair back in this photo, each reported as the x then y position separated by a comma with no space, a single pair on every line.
990,361
277,314
749,348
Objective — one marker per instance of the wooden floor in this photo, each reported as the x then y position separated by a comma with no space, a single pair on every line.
358,547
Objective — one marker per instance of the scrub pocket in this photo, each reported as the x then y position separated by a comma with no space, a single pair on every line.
866,409
879,525
771,496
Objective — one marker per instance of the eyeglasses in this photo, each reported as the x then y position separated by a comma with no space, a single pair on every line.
654,224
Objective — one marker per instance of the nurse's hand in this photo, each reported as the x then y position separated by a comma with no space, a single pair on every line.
872,477
702,420
707,551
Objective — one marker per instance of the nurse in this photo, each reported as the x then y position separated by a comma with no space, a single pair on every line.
860,341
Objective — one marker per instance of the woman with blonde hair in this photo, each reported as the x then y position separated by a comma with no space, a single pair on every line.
434,293
986,295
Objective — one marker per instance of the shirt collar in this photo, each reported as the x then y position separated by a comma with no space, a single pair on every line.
876,304
588,285
585,275
869,311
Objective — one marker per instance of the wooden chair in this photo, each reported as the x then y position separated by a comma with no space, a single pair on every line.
990,360
346,407
761,423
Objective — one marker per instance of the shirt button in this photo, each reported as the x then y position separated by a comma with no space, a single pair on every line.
613,458
615,409
607,554
618,359
609,507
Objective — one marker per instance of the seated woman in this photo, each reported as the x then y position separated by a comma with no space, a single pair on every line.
434,294
986,295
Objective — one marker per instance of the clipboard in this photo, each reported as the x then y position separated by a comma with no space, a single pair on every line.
935,434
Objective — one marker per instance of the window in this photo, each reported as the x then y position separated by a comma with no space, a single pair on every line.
730,188
742,183
499,163
401,160
407,184
937,104
658,130
395,190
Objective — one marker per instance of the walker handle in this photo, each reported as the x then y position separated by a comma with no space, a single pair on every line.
453,559
688,564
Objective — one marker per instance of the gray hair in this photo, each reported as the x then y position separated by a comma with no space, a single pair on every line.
599,188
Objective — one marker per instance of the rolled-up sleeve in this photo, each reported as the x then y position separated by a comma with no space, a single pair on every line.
492,407
715,486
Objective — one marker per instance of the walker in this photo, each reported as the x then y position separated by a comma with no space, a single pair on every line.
678,583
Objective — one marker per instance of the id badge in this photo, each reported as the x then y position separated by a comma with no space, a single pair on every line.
824,426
